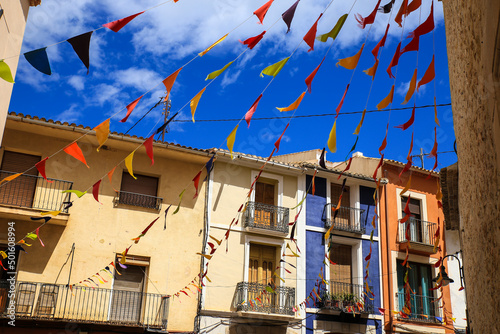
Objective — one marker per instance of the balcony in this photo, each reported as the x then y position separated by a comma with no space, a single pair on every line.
423,308
347,298
420,234
256,297
33,192
347,219
140,200
266,218
43,301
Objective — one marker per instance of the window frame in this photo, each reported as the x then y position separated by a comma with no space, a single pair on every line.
356,258
249,239
278,178
353,195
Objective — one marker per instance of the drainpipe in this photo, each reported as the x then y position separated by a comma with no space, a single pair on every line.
389,275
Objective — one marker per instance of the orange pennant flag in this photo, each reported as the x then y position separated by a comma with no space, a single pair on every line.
429,74
332,139
10,178
102,132
194,102
358,128
262,11
131,108
372,70
75,151
169,82
294,105
110,177
436,113
408,185
201,54
351,62
128,164
411,88
387,100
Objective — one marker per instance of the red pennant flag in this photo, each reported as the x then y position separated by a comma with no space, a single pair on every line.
413,6
437,264
311,76
95,190
409,159
131,108
41,169
426,27
75,151
401,12
434,150
342,101
251,111
196,181
346,169
384,143
394,61
277,143
311,34
381,43
406,211
252,41
429,75
378,166
169,82
412,46
314,186
409,122
148,144
118,24
262,11
363,21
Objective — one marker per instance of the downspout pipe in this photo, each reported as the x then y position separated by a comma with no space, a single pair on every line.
388,250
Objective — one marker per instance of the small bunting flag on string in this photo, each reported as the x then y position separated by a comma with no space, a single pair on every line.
201,54
39,60
102,133
341,101
81,45
194,102
110,176
332,139
119,24
52,213
75,151
287,16
426,27
412,46
169,81
311,76
5,72
387,100
262,11
411,88
413,6
196,182
78,193
274,69
215,74
387,8
128,164
363,21
358,128
294,105
335,31
350,63
131,108
394,61
429,74
230,140
180,201
321,161
372,70
311,34
381,43
10,178
409,122
95,190
148,144
252,41
251,111
40,166
277,143
402,10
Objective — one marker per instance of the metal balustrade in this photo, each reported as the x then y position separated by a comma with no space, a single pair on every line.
86,305
417,230
347,219
265,216
346,297
264,298
144,201
30,191
421,308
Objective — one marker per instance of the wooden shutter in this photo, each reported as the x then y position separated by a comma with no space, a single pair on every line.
127,297
341,272
145,185
264,193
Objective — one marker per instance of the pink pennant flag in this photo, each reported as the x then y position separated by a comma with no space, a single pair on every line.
251,111
41,169
148,144
131,108
118,24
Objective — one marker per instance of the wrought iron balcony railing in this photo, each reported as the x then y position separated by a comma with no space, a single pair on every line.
144,201
420,308
30,191
346,297
85,305
416,230
263,298
268,217
347,219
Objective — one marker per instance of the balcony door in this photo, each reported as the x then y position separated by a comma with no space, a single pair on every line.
265,194
343,219
127,295
260,273
20,191
341,272
417,233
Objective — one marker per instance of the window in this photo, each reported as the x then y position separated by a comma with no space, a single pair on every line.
139,192
264,194
260,271
414,207
419,279
341,272
419,230
343,217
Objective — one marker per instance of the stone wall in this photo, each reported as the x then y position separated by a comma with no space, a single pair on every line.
473,54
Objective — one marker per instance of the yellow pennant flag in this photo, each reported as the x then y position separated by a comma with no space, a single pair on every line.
356,132
53,213
5,72
194,102
372,70
3,254
411,88
387,100
230,140
208,257
10,178
334,32
128,164
294,105
215,74
436,113
274,69
332,140
201,54
102,132
180,201
351,62
408,185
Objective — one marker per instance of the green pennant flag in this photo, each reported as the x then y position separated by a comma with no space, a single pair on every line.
5,72
215,74
334,32
274,69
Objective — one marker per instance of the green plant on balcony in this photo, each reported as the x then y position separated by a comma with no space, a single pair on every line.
339,300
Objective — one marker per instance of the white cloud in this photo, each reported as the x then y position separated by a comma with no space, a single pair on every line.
77,82
138,78
70,115
230,78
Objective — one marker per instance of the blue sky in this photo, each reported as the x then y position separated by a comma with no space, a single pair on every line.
126,64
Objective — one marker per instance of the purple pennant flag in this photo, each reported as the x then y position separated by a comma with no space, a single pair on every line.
288,15
81,45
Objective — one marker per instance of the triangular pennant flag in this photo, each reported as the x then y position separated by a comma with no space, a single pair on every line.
394,61
53,213
274,69
201,54
95,190
412,46
251,111
401,12
38,235
387,8
348,166
39,60
287,16
5,72
102,132
311,76
161,128
407,187
128,164
380,43
294,105
436,113
78,193
75,151
409,122
252,41
131,108
311,34
277,143
313,188
363,21
356,132
110,176
378,166
215,74
335,31
321,161
194,102
230,140
434,149
10,178
169,82
180,201
384,143
411,88
262,11
387,100
332,139
209,165
429,74
196,182
351,62
148,144
413,6
118,24
341,101
426,27
166,212
81,45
